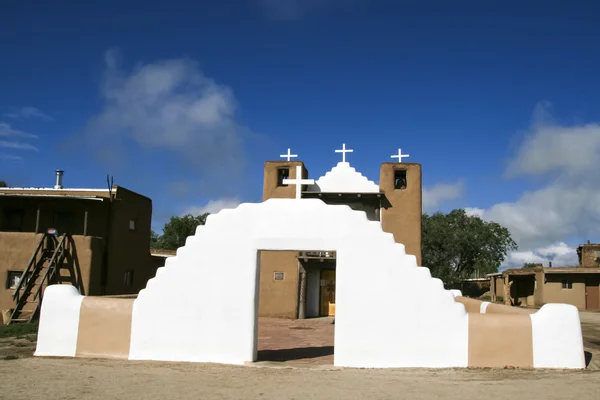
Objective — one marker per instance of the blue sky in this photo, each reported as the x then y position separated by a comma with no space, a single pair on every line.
184,101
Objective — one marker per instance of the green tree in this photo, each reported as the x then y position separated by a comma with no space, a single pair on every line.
154,240
176,231
3,184
455,245
529,265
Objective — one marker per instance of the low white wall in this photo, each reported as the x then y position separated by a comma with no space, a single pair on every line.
389,311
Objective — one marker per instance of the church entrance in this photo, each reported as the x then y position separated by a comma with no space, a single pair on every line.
296,303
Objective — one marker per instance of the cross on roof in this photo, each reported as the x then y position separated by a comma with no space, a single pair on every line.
289,155
399,156
298,181
344,151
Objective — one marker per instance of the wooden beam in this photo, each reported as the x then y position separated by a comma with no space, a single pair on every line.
85,223
37,220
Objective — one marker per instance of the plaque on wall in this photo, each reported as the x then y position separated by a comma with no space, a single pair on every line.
278,276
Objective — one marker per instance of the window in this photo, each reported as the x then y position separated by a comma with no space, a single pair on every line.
128,278
132,223
13,279
13,220
400,179
278,276
567,284
63,221
282,173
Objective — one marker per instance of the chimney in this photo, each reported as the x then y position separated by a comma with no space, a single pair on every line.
589,241
549,264
59,175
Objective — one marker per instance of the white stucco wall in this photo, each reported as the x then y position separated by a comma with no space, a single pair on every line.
389,311
343,179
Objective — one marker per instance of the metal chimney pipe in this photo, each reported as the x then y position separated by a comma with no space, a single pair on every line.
59,176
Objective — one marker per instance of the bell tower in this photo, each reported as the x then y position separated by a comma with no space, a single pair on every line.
275,172
402,212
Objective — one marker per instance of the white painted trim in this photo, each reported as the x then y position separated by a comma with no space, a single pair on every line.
66,196
59,322
55,190
483,307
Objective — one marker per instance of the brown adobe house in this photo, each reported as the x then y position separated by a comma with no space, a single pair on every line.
534,287
301,284
95,239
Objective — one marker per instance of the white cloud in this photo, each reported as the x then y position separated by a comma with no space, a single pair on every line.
4,156
436,195
569,206
13,139
7,131
473,211
29,112
172,107
17,145
213,206
549,148
560,254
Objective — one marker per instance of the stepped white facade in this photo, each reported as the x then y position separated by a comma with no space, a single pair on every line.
202,305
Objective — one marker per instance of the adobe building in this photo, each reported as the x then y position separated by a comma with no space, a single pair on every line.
95,239
534,287
300,284
589,254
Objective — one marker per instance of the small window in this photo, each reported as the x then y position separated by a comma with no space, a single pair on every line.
13,220
400,179
63,221
14,277
567,284
132,223
278,276
282,173
128,278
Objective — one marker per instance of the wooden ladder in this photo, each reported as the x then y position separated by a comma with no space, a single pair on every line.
41,271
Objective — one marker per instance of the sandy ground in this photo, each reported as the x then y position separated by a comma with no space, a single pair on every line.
26,377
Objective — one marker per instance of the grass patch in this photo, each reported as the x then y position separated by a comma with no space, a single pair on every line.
20,331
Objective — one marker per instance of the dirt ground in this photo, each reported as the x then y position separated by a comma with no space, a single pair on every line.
307,375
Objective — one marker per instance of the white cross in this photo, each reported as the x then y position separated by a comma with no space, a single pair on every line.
289,155
400,155
344,151
298,181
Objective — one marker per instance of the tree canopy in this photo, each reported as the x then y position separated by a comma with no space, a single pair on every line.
176,231
3,184
456,245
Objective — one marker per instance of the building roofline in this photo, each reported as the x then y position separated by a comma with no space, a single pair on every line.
574,270
42,189
64,196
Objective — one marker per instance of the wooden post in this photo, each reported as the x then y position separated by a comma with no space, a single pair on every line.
37,220
85,223
302,305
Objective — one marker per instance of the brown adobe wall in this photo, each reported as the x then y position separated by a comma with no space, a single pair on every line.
16,249
403,215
